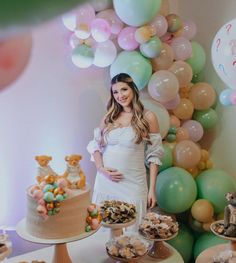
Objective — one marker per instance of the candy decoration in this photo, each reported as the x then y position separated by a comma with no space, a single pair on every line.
93,219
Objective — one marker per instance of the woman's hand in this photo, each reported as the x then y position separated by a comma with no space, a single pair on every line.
111,173
152,200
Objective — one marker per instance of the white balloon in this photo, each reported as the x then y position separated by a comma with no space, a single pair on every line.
161,113
105,54
223,52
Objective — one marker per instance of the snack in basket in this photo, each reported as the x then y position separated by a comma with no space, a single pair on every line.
127,247
117,212
156,226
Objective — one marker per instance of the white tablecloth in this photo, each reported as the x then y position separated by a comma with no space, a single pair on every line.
88,250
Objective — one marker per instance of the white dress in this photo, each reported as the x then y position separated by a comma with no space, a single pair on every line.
122,153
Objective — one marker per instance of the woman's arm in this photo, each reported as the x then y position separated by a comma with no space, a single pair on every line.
153,168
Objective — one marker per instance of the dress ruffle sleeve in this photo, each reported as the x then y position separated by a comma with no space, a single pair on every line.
96,143
154,151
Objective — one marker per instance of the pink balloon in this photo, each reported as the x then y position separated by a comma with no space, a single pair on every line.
233,97
163,86
195,130
126,38
100,29
14,56
182,48
85,14
112,18
172,104
160,25
190,29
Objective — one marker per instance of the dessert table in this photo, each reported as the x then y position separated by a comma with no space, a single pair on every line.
89,250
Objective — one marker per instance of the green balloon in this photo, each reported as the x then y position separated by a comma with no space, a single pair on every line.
198,77
183,243
205,241
167,159
176,190
212,185
198,58
134,64
208,118
136,13
18,15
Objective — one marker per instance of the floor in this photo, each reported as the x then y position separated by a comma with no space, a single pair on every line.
21,246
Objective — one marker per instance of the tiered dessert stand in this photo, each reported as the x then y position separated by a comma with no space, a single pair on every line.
159,250
60,254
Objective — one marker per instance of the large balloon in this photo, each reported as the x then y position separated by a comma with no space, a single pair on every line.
186,154
212,185
176,190
18,15
208,118
167,159
223,53
136,13
205,241
161,113
14,56
182,71
134,64
183,242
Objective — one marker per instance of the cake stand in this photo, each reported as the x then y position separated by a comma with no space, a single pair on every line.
159,250
232,244
117,229
60,254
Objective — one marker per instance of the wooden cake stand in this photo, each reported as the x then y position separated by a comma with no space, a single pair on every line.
60,254
117,229
159,250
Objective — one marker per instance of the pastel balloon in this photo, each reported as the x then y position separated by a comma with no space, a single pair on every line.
182,48
208,118
186,154
195,130
189,29
111,17
198,77
167,159
28,13
184,110
82,31
212,185
151,48
14,57
105,54
172,104
161,113
134,64
202,210
143,34
165,59
182,134
174,23
74,40
136,13
100,29
85,14
198,58
82,56
164,10
183,242
160,25
126,38
174,121
163,86
175,184
100,5
182,71
233,97
202,95
225,97
223,52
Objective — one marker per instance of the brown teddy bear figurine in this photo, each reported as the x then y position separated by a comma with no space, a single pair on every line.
230,215
74,174
44,169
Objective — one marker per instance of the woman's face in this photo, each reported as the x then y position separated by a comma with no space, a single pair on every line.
122,93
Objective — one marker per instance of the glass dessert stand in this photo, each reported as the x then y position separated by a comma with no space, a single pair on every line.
232,243
159,250
117,229
60,254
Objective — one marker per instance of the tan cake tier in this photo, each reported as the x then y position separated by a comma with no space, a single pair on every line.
69,222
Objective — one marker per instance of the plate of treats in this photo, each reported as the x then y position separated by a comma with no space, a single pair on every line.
127,248
219,229
117,213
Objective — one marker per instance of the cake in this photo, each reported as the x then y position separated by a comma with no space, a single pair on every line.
56,210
